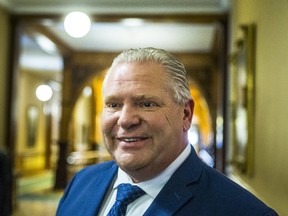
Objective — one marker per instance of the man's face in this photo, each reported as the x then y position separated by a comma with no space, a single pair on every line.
143,128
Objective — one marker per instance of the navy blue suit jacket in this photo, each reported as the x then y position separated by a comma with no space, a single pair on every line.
194,189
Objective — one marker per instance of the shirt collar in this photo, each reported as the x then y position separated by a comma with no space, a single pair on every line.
153,186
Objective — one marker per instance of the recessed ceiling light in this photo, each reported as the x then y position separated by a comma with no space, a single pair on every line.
133,22
77,24
44,92
46,44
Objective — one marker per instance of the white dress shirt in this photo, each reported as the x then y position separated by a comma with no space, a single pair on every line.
152,187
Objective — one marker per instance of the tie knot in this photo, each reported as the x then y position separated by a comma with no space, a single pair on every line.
128,193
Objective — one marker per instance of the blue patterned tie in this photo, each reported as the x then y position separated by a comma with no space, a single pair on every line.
126,194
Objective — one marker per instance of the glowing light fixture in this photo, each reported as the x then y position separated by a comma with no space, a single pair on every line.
87,91
46,44
77,24
132,22
44,92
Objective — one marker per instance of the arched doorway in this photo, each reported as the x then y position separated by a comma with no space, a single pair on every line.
201,132
85,127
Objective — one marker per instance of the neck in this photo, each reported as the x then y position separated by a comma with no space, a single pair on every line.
149,172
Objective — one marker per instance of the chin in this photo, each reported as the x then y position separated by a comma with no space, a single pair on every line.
128,163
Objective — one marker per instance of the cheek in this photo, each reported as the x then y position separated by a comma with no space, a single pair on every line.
165,126
173,116
174,124
165,116
107,124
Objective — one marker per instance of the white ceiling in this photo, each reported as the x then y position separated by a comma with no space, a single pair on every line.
111,37
114,36
118,6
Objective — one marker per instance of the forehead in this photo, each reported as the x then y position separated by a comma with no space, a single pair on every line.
137,79
136,71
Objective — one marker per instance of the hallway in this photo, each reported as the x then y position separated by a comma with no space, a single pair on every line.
37,206
36,197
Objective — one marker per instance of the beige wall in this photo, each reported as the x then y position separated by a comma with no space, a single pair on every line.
271,149
3,72
29,158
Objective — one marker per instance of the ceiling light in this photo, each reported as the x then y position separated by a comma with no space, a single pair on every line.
77,24
46,44
44,92
132,22
87,91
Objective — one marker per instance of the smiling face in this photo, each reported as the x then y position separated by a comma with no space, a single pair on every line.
143,128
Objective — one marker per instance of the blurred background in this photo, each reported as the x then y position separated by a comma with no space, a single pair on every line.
52,65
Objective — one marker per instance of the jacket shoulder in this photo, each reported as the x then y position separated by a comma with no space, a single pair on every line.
227,195
88,186
211,192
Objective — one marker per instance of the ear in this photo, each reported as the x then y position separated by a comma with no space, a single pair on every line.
188,114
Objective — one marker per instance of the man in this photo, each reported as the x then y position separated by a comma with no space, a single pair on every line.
147,113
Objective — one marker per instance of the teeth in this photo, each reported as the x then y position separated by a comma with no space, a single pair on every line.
130,139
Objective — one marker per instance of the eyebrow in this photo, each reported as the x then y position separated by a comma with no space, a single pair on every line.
136,97
146,97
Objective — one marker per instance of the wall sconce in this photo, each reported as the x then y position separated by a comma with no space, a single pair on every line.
44,92
77,24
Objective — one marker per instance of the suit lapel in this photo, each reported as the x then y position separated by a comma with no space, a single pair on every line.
179,189
97,191
171,203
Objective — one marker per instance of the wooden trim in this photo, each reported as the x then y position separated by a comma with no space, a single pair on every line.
181,17
64,49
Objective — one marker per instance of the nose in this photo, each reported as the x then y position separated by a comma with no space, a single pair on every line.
128,117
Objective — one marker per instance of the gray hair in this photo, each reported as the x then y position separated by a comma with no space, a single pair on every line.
177,79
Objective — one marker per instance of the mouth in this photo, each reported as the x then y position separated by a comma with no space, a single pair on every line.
131,139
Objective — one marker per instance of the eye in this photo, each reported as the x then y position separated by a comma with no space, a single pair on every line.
112,105
148,104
